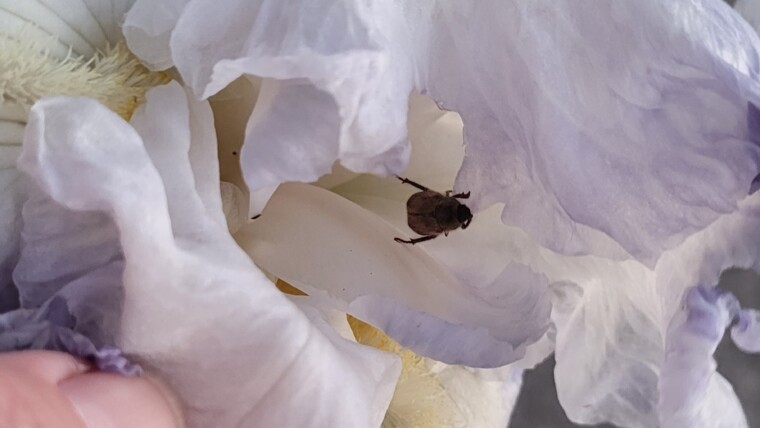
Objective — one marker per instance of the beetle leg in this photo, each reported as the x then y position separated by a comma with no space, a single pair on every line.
463,195
415,240
412,183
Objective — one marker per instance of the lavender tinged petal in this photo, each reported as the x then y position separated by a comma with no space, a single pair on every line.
687,374
194,300
555,126
52,328
746,333
76,255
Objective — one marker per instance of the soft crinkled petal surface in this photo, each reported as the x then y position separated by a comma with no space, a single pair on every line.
612,328
628,117
197,311
327,246
64,269
688,377
148,27
597,115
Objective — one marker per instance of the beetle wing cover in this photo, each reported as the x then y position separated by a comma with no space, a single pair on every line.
420,210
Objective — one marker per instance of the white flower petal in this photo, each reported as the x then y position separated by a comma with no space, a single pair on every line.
386,367
608,350
556,129
168,121
73,254
324,53
689,395
197,311
327,246
273,142
109,15
596,115
610,340
235,206
148,27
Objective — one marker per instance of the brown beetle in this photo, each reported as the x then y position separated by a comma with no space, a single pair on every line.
431,213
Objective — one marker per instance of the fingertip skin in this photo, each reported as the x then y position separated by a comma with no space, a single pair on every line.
54,389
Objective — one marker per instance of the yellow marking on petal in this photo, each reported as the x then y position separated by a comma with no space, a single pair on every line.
114,77
288,289
420,400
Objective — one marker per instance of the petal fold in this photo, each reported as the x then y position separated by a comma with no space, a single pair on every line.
691,393
347,255
193,299
548,138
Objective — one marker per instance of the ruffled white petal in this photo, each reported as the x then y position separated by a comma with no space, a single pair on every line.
596,115
197,311
692,395
610,338
148,27
327,246
555,127
323,55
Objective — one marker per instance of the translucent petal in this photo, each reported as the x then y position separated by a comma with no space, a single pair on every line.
386,367
193,299
168,121
76,255
596,115
327,63
147,29
234,205
547,108
688,373
611,335
346,254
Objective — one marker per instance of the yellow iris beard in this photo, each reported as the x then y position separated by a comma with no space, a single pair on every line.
419,400
115,77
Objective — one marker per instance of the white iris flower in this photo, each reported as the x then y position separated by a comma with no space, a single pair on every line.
611,151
